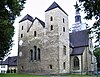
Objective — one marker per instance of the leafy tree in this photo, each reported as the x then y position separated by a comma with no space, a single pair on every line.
92,10
9,10
97,54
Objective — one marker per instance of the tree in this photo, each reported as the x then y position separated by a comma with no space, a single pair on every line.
92,10
9,10
97,55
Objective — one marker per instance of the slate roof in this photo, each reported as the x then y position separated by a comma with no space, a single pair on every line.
27,17
11,61
80,38
77,51
78,41
55,5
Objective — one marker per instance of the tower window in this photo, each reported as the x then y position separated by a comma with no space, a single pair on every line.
51,18
31,54
38,53
64,50
51,27
22,27
21,35
35,53
63,20
63,29
64,65
50,66
34,33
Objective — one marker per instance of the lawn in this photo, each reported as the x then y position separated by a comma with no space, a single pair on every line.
29,75
19,75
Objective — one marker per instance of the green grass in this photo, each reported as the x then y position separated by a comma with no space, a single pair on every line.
29,75
19,75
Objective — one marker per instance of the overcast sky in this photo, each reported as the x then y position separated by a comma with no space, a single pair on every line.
36,8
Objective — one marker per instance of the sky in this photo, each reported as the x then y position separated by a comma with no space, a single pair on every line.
36,8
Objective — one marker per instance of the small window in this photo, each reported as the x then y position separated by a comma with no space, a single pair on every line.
63,20
64,65
51,18
31,54
34,33
63,29
2,66
3,71
38,53
21,35
64,50
50,66
22,27
35,53
51,27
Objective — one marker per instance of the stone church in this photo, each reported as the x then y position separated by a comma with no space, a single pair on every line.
49,48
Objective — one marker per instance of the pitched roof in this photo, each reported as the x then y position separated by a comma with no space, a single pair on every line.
41,22
27,17
77,51
55,5
11,61
79,39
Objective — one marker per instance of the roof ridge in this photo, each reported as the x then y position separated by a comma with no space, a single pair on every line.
55,5
26,17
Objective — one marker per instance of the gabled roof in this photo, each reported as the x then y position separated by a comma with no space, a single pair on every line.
77,51
79,38
40,21
11,61
55,5
27,17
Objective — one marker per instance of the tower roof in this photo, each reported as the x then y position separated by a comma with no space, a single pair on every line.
55,5
27,17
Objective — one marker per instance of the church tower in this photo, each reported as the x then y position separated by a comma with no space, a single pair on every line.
57,45
77,26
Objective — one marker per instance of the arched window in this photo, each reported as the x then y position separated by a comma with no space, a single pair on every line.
51,27
51,18
63,20
50,66
35,52
64,65
76,63
22,27
21,35
34,33
63,29
64,50
39,54
31,54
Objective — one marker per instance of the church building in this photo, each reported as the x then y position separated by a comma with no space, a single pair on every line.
48,48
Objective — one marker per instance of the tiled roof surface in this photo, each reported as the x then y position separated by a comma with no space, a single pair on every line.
78,51
79,40
11,61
